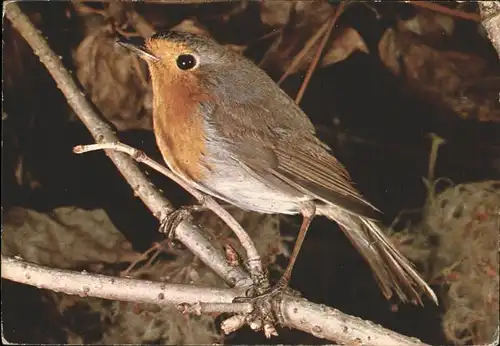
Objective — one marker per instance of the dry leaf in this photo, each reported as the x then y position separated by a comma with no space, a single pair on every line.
444,77
433,26
192,26
276,13
116,79
308,18
390,51
348,42
236,48
65,238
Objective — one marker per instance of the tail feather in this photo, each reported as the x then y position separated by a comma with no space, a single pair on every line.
393,272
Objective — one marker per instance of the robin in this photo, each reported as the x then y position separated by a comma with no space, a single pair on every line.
227,128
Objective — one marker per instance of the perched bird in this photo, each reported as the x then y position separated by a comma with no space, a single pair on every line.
227,128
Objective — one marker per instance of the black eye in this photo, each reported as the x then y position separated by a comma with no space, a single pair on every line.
186,61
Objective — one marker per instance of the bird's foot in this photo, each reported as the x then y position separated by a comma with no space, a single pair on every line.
266,314
280,287
170,222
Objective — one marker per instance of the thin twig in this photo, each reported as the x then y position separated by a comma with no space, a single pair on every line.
446,10
436,143
82,8
272,33
254,261
186,232
312,67
142,257
315,60
273,46
303,52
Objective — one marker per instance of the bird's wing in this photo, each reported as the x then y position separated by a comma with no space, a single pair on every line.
320,174
282,150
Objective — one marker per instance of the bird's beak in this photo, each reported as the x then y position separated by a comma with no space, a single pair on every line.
137,46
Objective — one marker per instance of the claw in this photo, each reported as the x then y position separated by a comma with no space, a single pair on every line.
279,288
265,315
170,222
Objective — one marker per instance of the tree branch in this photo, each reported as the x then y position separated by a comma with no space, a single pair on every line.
328,323
319,320
113,288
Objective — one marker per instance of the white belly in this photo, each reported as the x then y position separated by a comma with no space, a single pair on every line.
230,181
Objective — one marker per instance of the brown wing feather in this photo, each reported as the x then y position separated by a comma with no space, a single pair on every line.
324,177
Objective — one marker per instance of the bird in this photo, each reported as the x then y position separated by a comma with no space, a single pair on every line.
231,132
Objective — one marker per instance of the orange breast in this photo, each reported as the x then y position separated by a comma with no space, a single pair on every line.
179,128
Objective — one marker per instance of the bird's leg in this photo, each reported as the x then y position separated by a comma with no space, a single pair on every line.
308,211
170,222
266,304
